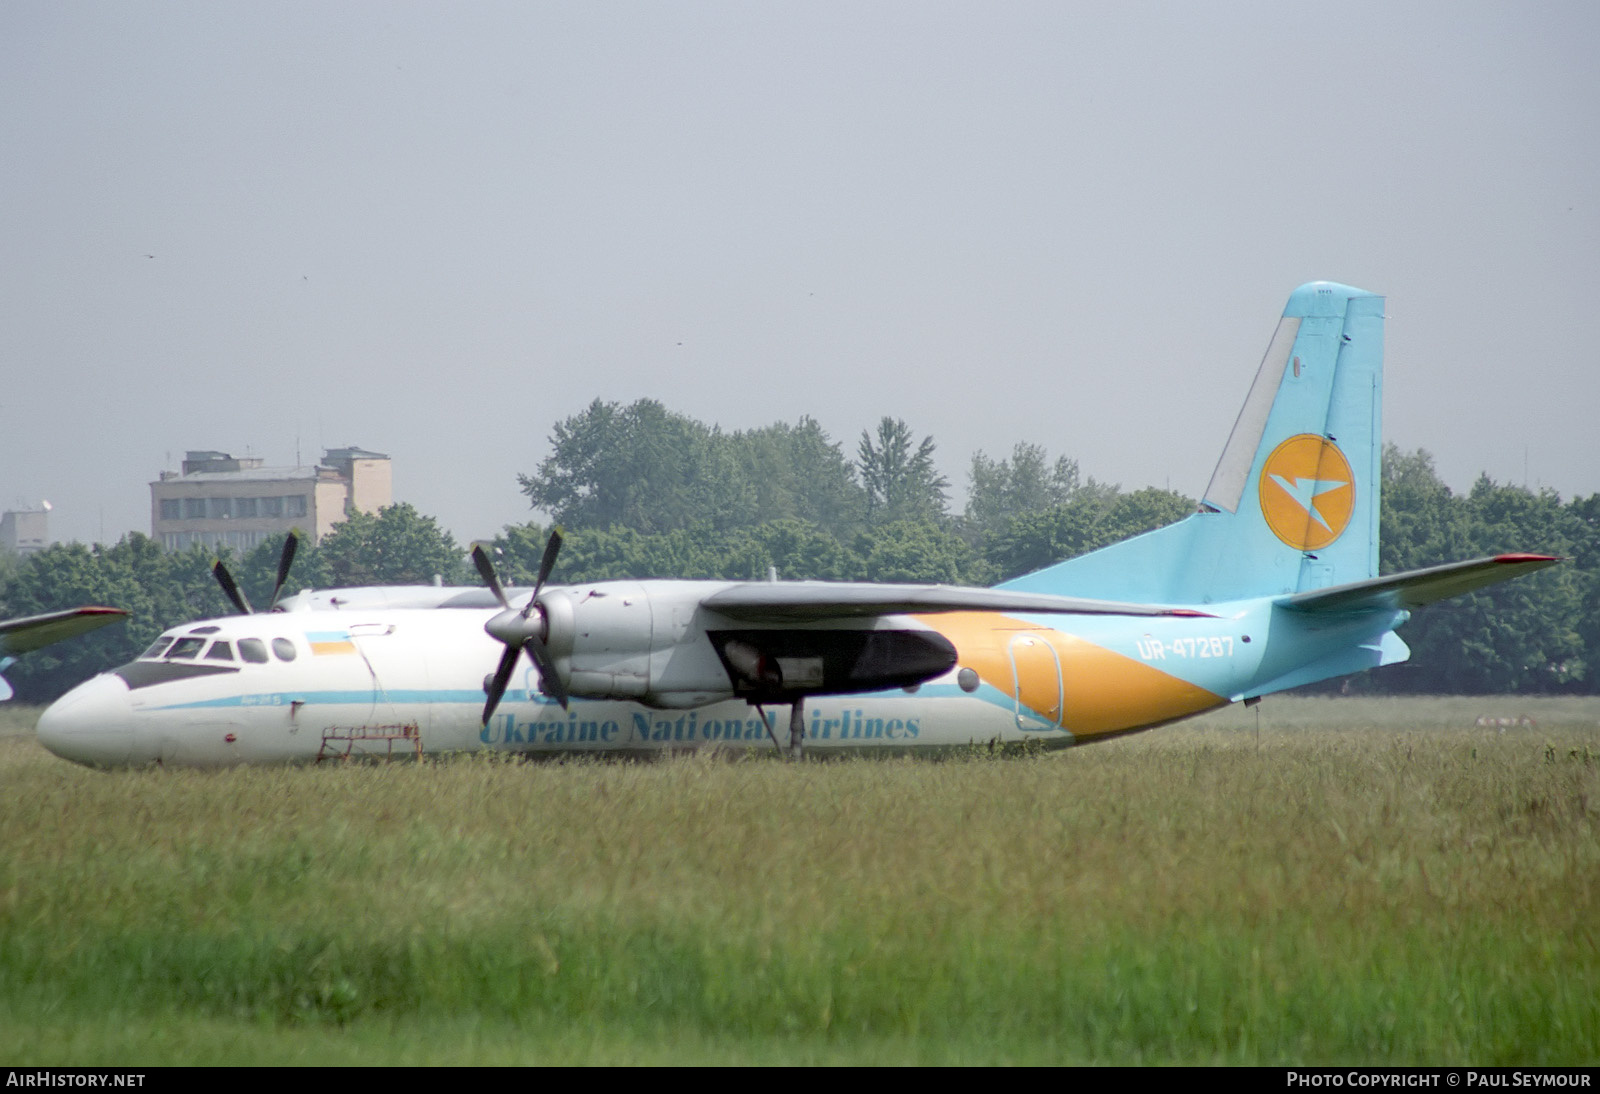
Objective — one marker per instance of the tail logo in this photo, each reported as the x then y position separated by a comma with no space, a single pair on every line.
1307,492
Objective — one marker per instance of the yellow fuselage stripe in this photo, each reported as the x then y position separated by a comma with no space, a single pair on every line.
1084,688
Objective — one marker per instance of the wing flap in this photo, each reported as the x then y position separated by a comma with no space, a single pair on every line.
799,601
1415,588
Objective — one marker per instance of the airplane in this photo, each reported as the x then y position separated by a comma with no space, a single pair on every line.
32,632
1271,584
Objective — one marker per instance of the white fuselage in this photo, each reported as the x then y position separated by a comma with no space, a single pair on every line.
371,675
319,682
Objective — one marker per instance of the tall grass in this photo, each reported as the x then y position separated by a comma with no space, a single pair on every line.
1365,881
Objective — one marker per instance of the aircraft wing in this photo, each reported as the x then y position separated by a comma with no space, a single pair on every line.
1414,588
32,632
802,601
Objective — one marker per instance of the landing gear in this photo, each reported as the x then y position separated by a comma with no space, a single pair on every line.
797,728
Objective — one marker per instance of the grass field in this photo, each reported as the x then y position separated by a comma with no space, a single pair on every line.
1358,881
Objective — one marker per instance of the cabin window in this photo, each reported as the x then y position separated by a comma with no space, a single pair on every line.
186,647
253,650
220,651
156,647
283,648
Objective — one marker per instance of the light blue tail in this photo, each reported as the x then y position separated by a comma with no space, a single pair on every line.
1293,504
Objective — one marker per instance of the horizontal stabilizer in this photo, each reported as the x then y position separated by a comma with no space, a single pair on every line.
35,631
791,601
1414,588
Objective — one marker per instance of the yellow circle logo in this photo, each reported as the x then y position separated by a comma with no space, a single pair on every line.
1307,492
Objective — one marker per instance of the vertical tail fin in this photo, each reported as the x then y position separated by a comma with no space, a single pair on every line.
1293,504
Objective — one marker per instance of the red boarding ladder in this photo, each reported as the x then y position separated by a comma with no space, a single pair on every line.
339,742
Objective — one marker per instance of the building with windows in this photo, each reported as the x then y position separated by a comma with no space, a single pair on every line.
219,500
25,531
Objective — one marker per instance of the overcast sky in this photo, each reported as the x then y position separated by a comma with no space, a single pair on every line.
433,230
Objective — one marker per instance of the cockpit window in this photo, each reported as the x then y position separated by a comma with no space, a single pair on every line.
156,647
144,674
220,651
283,648
186,647
253,650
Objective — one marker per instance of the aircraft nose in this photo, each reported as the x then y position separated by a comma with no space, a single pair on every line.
91,724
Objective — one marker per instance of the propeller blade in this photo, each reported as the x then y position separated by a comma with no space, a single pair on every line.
290,545
510,629
539,654
502,676
552,547
480,559
230,588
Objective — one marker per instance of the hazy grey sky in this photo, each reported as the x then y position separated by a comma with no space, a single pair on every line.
435,229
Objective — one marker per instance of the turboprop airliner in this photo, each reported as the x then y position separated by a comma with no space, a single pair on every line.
1271,584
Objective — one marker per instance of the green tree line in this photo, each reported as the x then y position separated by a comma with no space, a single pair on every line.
643,492
789,498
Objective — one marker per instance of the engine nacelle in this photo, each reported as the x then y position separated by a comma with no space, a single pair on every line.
602,639
653,643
